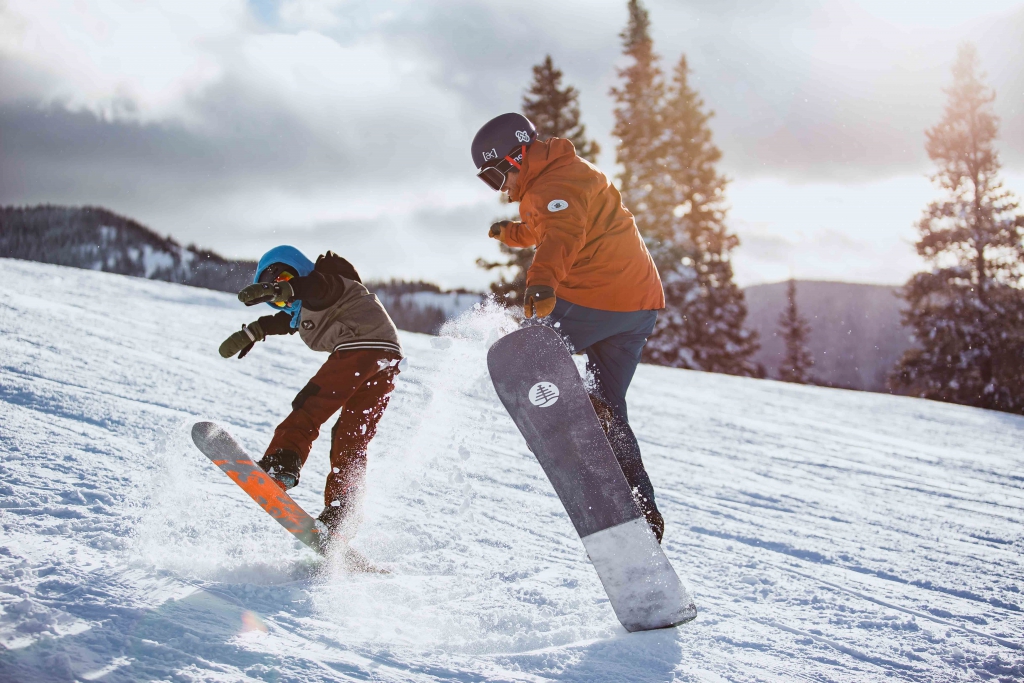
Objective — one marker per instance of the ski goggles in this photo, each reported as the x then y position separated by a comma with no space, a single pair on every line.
494,176
276,272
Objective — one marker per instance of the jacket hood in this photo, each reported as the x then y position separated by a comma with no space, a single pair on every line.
541,157
290,256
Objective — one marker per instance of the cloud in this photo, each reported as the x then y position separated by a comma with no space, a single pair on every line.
219,122
120,60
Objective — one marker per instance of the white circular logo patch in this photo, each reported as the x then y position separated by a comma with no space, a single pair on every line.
557,205
543,394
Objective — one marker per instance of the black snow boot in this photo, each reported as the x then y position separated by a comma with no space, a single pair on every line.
656,522
332,518
283,467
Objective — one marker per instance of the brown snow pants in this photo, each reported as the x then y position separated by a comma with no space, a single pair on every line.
360,384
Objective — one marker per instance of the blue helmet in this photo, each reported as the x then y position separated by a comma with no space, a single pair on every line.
296,261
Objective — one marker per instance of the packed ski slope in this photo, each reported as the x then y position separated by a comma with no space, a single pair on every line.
827,535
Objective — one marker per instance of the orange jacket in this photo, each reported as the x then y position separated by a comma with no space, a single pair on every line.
588,246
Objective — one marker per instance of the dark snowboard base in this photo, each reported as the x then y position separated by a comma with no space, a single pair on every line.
538,383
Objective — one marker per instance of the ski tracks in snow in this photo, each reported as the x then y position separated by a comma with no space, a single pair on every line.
828,535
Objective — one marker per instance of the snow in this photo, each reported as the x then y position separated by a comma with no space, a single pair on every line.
827,535
154,261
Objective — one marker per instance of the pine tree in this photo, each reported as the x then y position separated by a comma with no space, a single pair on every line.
796,366
555,111
967,310
637,118
670,183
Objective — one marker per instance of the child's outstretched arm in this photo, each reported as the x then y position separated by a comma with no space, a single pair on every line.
241,342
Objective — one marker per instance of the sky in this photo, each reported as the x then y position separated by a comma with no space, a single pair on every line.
345,124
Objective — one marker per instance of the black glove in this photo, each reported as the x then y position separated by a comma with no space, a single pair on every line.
264,292
540,301
241,342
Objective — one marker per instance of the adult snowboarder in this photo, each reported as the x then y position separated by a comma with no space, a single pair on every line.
333,312
592,278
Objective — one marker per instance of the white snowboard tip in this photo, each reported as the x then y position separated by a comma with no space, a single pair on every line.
641,584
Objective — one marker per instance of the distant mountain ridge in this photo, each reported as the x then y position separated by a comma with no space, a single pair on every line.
97,239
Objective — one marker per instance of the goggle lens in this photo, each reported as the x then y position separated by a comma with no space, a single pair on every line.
283,277
493,177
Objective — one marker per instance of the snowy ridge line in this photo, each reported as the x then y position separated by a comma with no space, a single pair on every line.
913,612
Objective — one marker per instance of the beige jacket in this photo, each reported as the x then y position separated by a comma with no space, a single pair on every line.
357,321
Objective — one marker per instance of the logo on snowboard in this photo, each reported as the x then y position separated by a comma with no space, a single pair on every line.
543,394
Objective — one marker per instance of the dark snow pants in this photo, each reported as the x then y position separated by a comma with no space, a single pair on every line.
359,383
613,342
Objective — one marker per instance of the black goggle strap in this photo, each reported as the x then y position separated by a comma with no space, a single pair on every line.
274,273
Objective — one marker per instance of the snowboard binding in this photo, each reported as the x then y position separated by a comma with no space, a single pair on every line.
283,466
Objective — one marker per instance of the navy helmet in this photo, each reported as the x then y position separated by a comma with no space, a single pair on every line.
499,146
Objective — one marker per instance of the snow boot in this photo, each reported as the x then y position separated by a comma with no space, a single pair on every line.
604,413
283,467
331,518
656,522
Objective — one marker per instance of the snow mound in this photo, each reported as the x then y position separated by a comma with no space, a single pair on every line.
827,535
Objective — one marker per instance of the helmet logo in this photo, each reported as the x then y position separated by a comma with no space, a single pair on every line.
493,154
522,136
557,205
543,394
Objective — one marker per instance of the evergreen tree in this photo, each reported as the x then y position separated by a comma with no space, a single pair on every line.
637,122
670,183
555,111
796,366
967,311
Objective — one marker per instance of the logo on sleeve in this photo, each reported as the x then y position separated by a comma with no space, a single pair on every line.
308,324
557,205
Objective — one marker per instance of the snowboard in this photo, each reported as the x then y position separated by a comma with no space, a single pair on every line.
538,383
221,448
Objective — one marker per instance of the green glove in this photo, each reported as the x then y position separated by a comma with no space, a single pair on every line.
267,292
241,342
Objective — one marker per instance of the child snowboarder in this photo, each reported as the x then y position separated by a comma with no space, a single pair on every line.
333,312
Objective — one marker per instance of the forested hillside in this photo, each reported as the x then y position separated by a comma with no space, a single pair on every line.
97,239
856,334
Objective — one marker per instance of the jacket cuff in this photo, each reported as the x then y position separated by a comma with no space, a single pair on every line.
541,280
